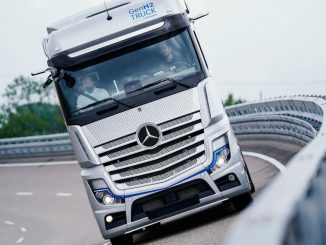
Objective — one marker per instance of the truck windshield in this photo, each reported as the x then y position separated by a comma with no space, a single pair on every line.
125,74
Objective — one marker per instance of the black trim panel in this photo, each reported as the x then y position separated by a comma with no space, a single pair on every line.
171,200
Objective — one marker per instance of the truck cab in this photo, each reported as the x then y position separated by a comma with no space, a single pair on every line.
141,107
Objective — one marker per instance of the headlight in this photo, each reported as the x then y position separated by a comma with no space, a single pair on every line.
221,161
220,158
102,192
108,200
224,157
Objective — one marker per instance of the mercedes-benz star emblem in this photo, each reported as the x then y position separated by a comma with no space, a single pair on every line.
148,136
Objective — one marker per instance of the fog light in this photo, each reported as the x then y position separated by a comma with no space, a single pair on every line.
232,177
109,219
108,200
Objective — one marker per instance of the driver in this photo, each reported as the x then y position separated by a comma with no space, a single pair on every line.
166,52
172,58
89,93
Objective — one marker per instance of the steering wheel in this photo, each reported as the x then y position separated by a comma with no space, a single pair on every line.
181,64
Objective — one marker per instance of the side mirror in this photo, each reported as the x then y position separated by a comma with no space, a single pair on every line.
70,80
48,82
199,16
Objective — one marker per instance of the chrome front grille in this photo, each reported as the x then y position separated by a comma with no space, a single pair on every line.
154,154
152,178
158,165
182,148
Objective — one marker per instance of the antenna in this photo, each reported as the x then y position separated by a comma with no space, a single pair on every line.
187,8
109,16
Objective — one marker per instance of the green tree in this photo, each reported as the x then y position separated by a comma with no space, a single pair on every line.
23,90
29,110
33,119
231,101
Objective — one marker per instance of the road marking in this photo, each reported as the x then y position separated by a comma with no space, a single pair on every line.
20,240
24,193
271,160
9,165
23,229
7,222
64,194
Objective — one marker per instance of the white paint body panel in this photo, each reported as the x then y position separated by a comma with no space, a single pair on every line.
128,122
78,29
214,131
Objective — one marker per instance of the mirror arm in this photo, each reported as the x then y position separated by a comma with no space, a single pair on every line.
193,19
52,70
40,72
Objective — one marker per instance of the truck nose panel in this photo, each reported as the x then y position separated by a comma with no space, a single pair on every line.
171,200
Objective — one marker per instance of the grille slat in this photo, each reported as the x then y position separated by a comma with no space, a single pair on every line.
182,148
115,144
119,142
158,166
176,122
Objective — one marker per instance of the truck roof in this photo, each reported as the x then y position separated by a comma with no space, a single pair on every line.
92,24
73,19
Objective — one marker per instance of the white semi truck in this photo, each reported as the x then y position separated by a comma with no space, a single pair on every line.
142,111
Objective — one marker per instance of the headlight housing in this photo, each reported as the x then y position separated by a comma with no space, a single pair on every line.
102,193
221,158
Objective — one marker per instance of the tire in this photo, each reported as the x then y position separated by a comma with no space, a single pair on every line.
242,201
252,186
122,240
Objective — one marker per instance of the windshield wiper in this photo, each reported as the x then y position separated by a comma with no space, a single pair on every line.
161,81
102,101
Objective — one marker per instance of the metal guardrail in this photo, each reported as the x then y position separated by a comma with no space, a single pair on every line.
36,146
292,210
296,119
278,119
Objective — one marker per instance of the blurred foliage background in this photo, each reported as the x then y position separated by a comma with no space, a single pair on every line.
232,101
26,109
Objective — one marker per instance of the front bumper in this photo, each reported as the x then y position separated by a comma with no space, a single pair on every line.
131,225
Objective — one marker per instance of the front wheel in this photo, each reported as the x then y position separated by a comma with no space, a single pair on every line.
122,240
242,201
252,185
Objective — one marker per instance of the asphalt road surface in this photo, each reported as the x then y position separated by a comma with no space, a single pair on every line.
48,205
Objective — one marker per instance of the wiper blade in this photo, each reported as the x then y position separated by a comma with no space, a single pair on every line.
102,101
161,81
178,82
120,102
